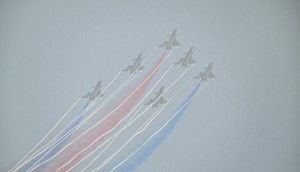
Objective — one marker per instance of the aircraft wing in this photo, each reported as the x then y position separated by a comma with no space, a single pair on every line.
99,95
141,67
179,62
197,77
175,42
164,44
128,68
211,75
149,102
87,95
191,60
161,100
134,69
97,92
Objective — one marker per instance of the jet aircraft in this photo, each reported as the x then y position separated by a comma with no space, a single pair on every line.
172,42
136,66
158,99
95,93
187,59
206,74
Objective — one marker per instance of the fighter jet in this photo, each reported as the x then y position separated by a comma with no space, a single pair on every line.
136,66
158,99
187,59
172,41
95,93
206,74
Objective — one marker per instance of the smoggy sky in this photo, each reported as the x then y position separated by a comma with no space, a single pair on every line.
247,119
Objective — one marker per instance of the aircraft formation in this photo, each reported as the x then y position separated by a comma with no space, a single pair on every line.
90,134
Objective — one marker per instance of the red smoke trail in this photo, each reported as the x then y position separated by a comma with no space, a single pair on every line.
98,131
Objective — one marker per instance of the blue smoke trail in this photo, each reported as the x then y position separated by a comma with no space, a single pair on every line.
142,154
48,153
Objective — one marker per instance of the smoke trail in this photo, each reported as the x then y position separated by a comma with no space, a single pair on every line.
127,116
98,130
60,137
140,130
43,139
49,152
137,157
133,118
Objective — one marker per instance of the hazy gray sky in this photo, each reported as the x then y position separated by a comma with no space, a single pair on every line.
247,119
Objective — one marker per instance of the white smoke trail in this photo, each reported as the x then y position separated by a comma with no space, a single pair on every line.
132,119
118,122
155,133
43,139
139,131
99,121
